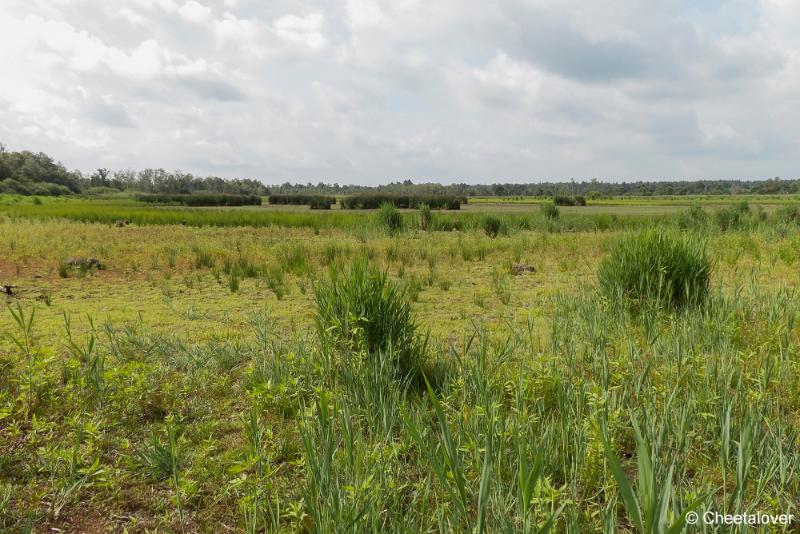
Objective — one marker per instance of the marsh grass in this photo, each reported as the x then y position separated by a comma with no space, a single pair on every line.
656,268
493,226
562,413
390,218
361,310
550,210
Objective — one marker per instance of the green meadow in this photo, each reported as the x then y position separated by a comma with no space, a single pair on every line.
507,367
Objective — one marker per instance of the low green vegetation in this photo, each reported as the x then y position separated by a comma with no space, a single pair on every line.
550,210
318,202
366,315
656,268
493,225
273,369
562,200
201,199
375,200
390,218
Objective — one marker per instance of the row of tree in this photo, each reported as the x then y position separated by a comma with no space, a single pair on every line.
587,188
30,173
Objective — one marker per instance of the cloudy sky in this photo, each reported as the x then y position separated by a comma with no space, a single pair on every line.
371,91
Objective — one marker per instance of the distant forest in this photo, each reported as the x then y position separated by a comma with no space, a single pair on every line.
29,173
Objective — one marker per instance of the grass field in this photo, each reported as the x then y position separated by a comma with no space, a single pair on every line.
196,381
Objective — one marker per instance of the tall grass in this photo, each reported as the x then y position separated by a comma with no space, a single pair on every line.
656,267
553,411
360,310
390,218
112,211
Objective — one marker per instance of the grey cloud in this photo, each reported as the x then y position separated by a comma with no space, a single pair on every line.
211,89
556,47
108,113
612,88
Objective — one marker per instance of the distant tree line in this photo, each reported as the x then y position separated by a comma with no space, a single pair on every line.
591,189
27,173
30,173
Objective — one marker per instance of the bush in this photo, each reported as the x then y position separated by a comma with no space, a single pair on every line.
788,214
362,311
550,210
375,200
729,218
99,191
201,199
493,225
316,202
14,187
390,217
560,200
694,217
656,267
425,217
742,207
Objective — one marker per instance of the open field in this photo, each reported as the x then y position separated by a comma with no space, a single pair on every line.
193,383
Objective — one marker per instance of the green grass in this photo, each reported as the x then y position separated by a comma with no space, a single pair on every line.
656,268
112,211
151,396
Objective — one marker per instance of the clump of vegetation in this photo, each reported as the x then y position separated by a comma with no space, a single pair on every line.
733,217
493,226
694,217
375,200
275,280
656,267
425,217
80,265
359,309
318,202
203,258
390,218
233,281
201,199
789,214
561,200
550,210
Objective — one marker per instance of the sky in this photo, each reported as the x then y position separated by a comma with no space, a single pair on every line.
373,91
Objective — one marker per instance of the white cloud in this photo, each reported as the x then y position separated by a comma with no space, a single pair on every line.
374,90
195,12
302,30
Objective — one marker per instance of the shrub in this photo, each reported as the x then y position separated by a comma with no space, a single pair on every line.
730,218
361,310
390,217
561,200
550,210
425,217
694,217
742,206
656,267
788,214
375,200
201,199
492,225
316,202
